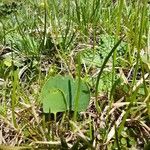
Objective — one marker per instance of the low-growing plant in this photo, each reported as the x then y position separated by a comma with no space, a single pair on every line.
59,95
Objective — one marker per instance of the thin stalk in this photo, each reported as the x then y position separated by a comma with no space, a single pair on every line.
78,12
70,96
76,103
139,40
117,138
42,45
13,95
118,29
102,68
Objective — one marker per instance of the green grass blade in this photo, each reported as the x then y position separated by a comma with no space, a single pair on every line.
102,68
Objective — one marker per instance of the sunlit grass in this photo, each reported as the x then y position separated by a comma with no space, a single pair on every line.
40,39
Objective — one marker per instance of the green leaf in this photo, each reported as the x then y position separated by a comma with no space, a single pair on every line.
58,95
54,101
8,62
123,141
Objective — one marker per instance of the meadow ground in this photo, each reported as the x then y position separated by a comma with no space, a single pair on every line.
104,45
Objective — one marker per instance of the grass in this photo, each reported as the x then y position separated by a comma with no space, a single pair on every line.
40,39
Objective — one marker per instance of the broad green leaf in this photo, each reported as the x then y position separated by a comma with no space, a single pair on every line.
58,94
54,101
